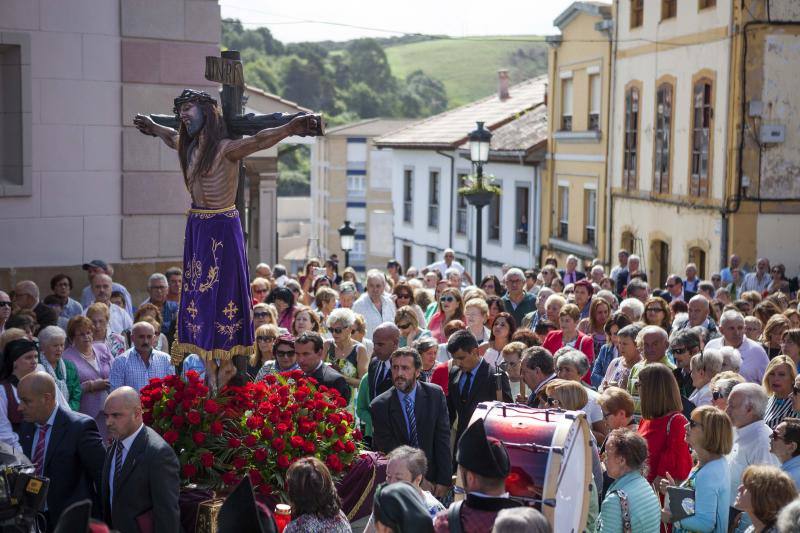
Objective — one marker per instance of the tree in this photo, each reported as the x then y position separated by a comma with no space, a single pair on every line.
422,96
369,64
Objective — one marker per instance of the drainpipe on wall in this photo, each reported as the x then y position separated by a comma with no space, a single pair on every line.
610,144
452,196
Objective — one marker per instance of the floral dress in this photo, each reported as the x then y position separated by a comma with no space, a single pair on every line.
348,367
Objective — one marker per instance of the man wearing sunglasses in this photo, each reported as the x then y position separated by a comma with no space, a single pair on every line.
5,310
683,345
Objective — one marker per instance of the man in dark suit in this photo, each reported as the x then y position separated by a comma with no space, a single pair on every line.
140,475
65,446
676,290
414,413
386,339
571,274
310,357
471,380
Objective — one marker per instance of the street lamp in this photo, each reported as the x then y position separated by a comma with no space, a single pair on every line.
347,237
479,142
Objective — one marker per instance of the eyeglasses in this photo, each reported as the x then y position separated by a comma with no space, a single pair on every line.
447,299
265,338
680,351
337,330
284,353
716,395
777,436
403,326
654,310
514,280
260,291
406,296
606,415
670,285
5,304
260,314
693,424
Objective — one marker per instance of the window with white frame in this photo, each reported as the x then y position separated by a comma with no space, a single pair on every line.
356,185
408,195
590,216
461,208
433,199
522,200
566,104
594,102
495,214
563,212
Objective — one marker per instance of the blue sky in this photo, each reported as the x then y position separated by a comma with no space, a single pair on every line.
316,20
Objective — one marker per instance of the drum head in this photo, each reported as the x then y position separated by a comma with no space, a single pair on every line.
569,475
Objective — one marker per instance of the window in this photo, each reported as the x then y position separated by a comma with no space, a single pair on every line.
563,212
630,162
698,257
408,195
669,9
461,208
522,218
663,140
407,256
356,185
637,13
594,102
566,104
590,216
430,258
494,218
433,199
703,4
702,115
359,252
11,115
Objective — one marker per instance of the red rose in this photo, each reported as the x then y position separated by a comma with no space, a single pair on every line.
189,470
199,437
171,404
234,443
296,441
341,430
274,416
278,444
207,460
255,477
178,396
260,455
334,419
309,447
230,478
147,418
357,434
216,428
266,432
250,441
171,437
281,428
283,461
157,394
334,463
186,404
328,432
192,375
349,447
338,446
254,422
210,406
177,421
341,402
319,416
270,379
239,462
193,417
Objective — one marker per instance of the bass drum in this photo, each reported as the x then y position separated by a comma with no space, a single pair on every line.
551,462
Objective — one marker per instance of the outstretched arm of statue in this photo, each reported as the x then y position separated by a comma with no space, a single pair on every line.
146,125
241,148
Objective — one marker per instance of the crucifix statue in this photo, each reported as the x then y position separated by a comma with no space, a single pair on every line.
214,319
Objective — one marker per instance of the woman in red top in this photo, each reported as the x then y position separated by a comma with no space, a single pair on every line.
568,335
663,425
451,307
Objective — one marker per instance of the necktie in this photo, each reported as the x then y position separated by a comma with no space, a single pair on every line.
38,453
465,388
118,460
381,374
412,423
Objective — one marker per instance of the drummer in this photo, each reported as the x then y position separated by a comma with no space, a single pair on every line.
483,465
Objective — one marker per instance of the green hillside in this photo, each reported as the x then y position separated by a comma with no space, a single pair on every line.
468,67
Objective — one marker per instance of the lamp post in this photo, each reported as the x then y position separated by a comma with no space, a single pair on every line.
347,235
479,141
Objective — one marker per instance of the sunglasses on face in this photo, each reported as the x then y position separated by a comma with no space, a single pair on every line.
338,330
5,304
777,436
260,314
654,310
403,326
284,353
447,299
259,291
716,395
265,338
404,296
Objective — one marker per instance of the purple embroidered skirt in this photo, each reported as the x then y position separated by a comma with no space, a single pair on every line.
214,316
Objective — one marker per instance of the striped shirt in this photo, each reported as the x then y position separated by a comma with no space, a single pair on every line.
129,369
777,410
643,505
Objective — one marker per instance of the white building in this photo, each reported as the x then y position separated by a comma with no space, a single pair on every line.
429,163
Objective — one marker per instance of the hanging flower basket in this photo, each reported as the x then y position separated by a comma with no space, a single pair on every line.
480,193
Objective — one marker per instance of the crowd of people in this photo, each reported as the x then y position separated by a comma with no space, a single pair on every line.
689,387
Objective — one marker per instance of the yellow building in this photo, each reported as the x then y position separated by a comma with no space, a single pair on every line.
703,155
574,207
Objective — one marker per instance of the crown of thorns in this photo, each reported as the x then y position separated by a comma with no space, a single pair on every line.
190,95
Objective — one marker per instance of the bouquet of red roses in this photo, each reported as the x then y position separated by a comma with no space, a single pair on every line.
257,430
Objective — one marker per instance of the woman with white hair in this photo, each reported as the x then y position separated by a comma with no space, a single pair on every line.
346,355
571,365
731,359
704,366
51,344
632,308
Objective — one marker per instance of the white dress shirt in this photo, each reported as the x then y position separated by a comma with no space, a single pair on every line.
127,442
372,317
750,447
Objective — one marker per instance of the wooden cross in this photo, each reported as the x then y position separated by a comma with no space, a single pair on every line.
228,71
